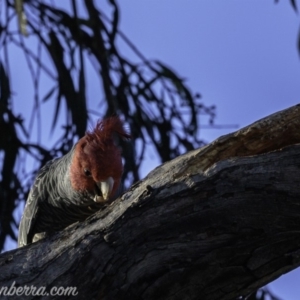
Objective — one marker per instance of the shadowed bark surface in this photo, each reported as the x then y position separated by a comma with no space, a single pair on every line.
215,223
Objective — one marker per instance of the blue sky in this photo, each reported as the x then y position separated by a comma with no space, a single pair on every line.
240,55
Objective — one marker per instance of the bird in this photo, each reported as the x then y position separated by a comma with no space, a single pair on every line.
73,187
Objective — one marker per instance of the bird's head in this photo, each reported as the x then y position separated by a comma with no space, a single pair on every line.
96,165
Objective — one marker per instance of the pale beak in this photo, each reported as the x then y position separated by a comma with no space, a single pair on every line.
105,188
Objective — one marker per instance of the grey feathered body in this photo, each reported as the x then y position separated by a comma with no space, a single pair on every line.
52,203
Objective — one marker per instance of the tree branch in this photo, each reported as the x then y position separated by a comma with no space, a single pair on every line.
215,223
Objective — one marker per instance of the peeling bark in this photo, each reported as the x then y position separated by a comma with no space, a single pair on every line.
215,223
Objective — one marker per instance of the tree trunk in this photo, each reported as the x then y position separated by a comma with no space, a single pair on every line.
215,223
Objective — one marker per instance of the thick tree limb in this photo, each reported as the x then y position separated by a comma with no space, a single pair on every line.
215,223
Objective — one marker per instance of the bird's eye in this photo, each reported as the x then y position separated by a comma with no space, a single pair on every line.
87,172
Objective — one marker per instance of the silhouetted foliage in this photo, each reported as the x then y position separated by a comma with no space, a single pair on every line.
293,3
60,47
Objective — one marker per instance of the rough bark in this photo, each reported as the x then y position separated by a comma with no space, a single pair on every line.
215,223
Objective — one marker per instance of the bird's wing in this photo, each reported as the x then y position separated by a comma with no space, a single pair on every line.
31,209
